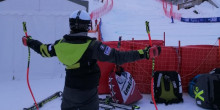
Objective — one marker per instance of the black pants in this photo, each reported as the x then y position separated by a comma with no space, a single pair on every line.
75,99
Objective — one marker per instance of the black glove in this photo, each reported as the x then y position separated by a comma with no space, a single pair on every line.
150,52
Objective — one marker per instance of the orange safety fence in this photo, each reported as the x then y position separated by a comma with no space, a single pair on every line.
102,10
188,61
168,10
98,30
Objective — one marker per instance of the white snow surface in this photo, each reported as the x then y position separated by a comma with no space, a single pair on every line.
48,22
15,96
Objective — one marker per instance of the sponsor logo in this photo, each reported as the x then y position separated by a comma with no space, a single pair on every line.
102,47
126,91
120,80
198,94
212,19
107,50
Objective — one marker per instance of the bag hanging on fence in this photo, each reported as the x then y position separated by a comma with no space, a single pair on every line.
207,91
167,87
123,87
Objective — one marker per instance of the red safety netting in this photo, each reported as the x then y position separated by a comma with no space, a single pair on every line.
141,74
102,10
188,61
168,10
97,29
197,59
94,15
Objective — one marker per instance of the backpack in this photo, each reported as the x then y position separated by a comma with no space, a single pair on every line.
194,81
123,88
215,71
192,85
207,91
167,87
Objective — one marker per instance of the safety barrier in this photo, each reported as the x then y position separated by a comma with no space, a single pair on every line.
187,60
100,38
102,10
197,59
169,12
201,20
98,25
96,14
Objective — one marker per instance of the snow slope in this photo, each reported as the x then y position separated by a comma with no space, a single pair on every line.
126,19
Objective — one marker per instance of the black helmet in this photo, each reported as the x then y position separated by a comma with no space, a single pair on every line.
80,21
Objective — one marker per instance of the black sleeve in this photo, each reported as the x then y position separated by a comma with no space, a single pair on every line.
103,52
45,50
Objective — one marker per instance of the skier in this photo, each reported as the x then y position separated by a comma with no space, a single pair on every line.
79,53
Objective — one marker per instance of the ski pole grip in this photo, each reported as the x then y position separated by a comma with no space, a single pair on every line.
119,42
147,27
25,29
119,38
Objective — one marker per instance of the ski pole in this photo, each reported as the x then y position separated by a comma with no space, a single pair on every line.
148,32
29,55
118,67
119,42
219,45
153,64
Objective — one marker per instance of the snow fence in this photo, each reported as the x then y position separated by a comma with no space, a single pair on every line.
187,60
102,10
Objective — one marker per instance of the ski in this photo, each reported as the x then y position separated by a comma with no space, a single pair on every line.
112,105
48,99
105,106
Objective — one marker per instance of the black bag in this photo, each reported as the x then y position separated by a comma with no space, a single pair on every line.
207,91
192,85
215,71
167,87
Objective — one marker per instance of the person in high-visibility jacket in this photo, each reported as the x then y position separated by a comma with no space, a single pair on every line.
79,53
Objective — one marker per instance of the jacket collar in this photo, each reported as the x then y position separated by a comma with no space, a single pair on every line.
78,36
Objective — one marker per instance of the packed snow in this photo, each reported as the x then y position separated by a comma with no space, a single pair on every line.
50,22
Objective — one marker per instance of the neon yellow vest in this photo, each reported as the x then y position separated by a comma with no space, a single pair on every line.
69,54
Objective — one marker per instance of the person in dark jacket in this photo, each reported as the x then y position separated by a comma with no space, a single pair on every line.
79,53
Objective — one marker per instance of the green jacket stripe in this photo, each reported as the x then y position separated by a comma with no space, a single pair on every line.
69,54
